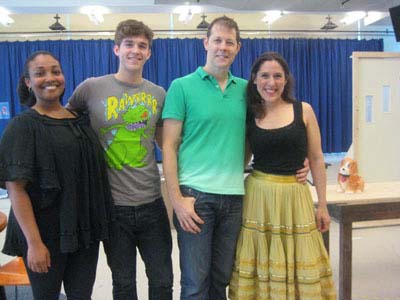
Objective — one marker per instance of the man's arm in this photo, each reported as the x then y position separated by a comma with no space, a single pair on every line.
301,174
183,206
158,136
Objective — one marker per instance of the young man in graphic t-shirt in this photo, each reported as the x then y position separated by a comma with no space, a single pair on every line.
124,110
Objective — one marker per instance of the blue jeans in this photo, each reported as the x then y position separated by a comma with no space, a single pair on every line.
145,227
76,270
206,258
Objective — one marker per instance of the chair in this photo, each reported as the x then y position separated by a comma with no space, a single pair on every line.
13,272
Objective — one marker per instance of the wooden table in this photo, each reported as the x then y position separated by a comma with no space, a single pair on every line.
379,201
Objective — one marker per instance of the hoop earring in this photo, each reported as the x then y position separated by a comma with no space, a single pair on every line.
30,90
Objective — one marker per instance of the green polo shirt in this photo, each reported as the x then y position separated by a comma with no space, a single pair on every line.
211,154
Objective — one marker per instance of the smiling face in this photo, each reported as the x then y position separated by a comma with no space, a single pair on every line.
221,47
45,78
270,81
133,52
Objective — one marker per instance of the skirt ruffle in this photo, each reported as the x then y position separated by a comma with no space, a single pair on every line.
280,252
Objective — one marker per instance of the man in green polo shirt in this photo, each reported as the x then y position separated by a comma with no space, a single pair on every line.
203,158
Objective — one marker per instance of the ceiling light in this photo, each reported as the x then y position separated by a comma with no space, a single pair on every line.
57,26
95,13
329,25
374,16
271,16
186,17
352,17
5,19
203,24
186,12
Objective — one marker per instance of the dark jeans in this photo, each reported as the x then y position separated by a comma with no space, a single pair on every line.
206,258
145,227
76,270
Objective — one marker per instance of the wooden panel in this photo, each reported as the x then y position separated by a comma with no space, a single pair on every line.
375,147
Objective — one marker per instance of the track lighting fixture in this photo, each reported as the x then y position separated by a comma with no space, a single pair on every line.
57,25
203,24
329,25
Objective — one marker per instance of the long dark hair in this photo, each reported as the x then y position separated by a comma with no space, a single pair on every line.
26,95
254,101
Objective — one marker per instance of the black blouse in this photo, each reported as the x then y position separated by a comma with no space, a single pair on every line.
63,164
282,150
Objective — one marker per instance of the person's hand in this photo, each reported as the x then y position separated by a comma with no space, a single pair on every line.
187,217
38,258
322,218
301,175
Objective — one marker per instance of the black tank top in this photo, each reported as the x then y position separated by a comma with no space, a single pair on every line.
282,150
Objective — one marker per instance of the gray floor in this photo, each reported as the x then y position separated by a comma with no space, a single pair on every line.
376,261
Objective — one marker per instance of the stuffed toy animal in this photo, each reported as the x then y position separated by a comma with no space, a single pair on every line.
348,178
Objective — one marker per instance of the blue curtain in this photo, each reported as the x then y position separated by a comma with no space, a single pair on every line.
321,67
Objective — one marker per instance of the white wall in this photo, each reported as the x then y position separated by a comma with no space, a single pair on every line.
390,44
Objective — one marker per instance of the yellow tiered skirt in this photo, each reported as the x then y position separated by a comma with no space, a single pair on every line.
280,253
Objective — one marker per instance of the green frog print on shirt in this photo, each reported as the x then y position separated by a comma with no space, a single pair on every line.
126,147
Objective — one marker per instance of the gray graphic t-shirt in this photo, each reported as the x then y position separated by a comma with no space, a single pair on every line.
125,117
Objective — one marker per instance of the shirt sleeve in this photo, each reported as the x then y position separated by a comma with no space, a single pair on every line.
175,106
78,100
17,153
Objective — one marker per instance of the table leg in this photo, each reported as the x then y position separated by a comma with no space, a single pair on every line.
2,293
345,260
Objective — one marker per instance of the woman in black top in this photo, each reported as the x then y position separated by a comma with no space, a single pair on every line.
55,174
280,252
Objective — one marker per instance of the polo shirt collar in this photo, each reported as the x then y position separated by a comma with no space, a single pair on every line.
203,75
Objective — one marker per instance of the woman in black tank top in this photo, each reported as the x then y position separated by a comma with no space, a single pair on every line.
280,253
